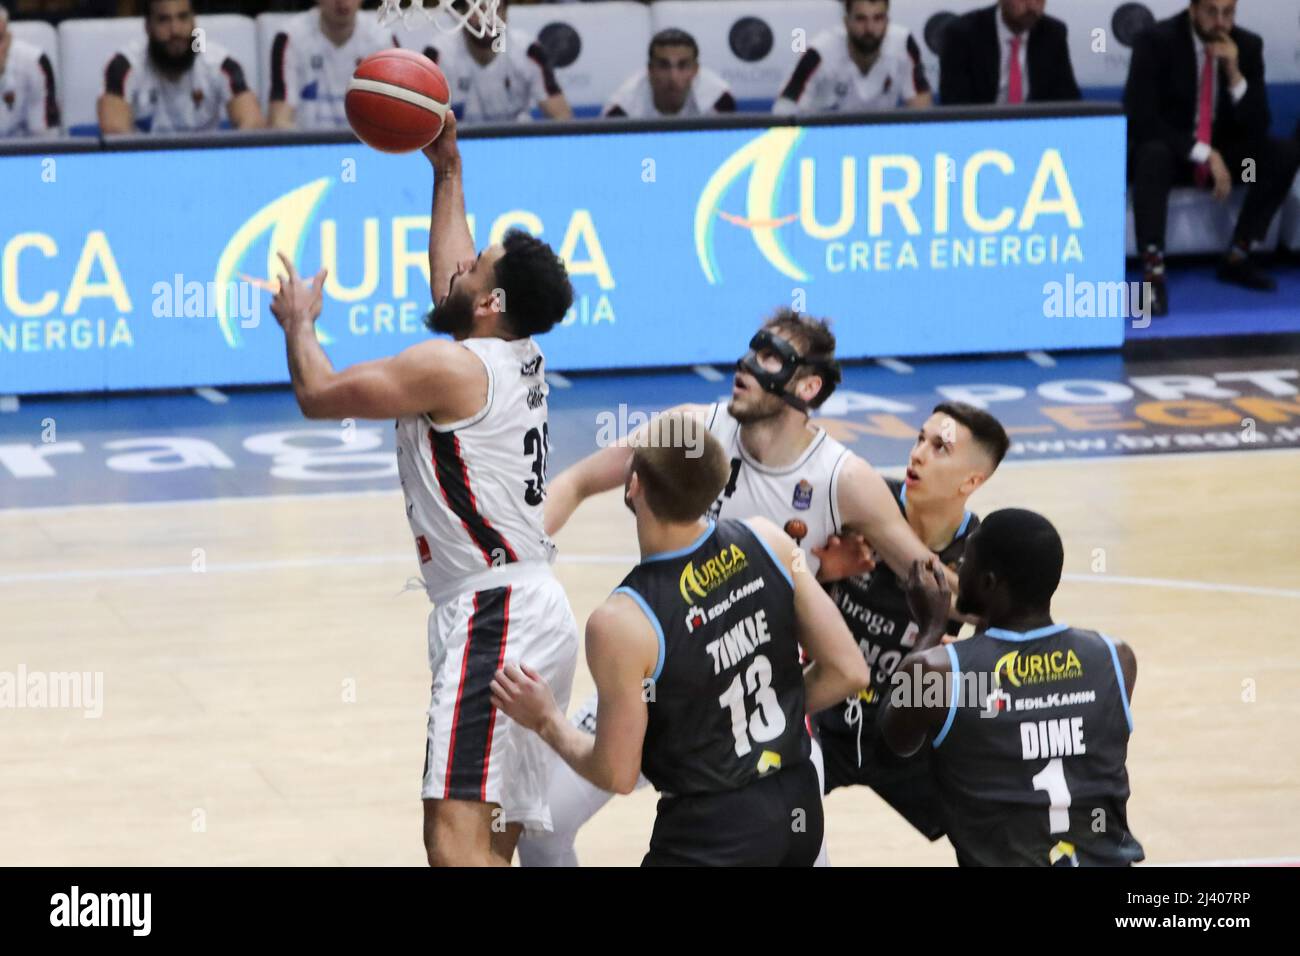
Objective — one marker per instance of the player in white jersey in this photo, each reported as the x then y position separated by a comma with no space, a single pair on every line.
472,443
28,104
867,63
672,84
499,79
162,84
783,468
312,62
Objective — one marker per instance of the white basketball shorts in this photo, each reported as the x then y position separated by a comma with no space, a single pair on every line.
475,752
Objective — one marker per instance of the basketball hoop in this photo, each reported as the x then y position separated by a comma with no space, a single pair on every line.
447,16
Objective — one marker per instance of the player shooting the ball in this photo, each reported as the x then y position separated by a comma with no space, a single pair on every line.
472,441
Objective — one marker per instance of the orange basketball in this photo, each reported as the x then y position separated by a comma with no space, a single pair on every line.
397,100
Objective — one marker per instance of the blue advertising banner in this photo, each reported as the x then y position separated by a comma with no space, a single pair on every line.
150,269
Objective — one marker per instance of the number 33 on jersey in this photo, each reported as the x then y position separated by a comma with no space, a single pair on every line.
454,475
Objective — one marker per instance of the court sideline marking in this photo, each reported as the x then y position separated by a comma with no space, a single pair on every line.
623,560
887,471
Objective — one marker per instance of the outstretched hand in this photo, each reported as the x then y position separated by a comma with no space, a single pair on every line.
444,152
844,556
297,300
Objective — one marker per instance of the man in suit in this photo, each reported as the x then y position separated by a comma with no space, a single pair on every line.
1009,53
1198,115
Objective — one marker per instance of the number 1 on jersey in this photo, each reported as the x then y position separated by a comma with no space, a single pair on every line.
1052,779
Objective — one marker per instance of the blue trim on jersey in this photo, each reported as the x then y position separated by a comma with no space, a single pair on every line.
956,686
772,554
1119,676
965,521
1033,635
659,664
682,552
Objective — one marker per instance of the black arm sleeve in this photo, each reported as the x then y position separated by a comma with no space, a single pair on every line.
115,75
51,96
803,71
234,75
918,69
278,47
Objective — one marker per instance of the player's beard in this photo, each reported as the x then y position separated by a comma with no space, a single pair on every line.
454,315
1024,23
1207,37
760,410
170,63
867,45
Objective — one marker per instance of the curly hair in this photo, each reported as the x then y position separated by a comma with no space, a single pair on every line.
534,283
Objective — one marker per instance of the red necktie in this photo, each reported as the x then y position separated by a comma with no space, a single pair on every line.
1205,116
1015,90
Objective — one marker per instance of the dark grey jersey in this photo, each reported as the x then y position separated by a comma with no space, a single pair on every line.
1030,761
874,607
728,703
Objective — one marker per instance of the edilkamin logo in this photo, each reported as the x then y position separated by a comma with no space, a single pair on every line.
75,908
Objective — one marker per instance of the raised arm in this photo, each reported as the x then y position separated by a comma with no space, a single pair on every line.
622,652
906,721
556,107
600,471
112,109
246,112
449,240
838,670
867,507
435,376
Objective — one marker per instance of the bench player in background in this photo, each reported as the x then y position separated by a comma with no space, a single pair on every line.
672,84
29,105
868,63
957,449
162,83
1034,773
312,62
472,442
709,700
499,79
783,467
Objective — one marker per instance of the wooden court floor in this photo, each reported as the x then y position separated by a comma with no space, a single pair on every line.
265,680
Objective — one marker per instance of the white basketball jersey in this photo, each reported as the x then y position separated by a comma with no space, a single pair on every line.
474,488
803,491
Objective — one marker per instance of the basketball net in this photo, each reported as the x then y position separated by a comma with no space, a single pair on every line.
445,17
